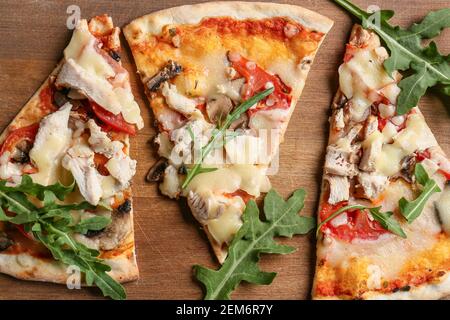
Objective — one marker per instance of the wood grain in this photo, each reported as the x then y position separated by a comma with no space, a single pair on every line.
32,37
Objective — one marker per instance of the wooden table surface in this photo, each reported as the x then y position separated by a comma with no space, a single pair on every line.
32,37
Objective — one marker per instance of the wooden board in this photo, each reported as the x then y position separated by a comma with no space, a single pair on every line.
32,37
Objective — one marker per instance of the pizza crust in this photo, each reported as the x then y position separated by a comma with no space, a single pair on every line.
192,14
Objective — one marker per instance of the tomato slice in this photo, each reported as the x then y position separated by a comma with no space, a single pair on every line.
114,121
257,79
25,133
358,225
422,155
445,174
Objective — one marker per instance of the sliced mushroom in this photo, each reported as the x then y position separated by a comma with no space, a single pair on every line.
240,123
407,168
169,71
125,207
5,242
156,173
218,107
115,55
21,152
60,97
113,235
198,205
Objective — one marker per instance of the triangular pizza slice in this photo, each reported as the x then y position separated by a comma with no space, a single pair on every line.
74,130
385,205
202,64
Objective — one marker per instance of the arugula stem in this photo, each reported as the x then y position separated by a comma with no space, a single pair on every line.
243,107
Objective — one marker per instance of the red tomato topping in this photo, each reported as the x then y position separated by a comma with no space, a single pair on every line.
114,121
257,79
21,229
100,160
240,193
358,225
445,174
381,123
46,100
422,155
25,133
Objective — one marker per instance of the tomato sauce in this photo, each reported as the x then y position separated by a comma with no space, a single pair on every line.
273,27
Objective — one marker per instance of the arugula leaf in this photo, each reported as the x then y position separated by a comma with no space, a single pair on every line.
34,189
238,111
412,209
93,223
53,225
253,238
387,222
426,66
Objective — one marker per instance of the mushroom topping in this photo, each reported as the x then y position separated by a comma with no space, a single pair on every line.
407,168
240,123
5,242
112,236
218,107
125,207
198,205
21,152
60,97
114,55
156,172
170,70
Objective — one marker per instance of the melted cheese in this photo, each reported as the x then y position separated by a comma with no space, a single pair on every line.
52,140
416,136
361,77
225,227
250,178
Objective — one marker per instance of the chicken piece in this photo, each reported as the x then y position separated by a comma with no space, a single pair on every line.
370,155
74,76
338,116
342,156
371,126
373,184
7,168
177,101
79,160
232,89
101,143
122,168
339,188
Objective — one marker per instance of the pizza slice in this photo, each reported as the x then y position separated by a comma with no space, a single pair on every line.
385,205
223,79
73,131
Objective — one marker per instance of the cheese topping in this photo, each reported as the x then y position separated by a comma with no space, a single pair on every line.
52,140
228,223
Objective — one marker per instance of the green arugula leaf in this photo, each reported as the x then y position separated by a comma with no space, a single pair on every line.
427,67
53,225
237,112
254,238
92,223
387,222
412,209
34,189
